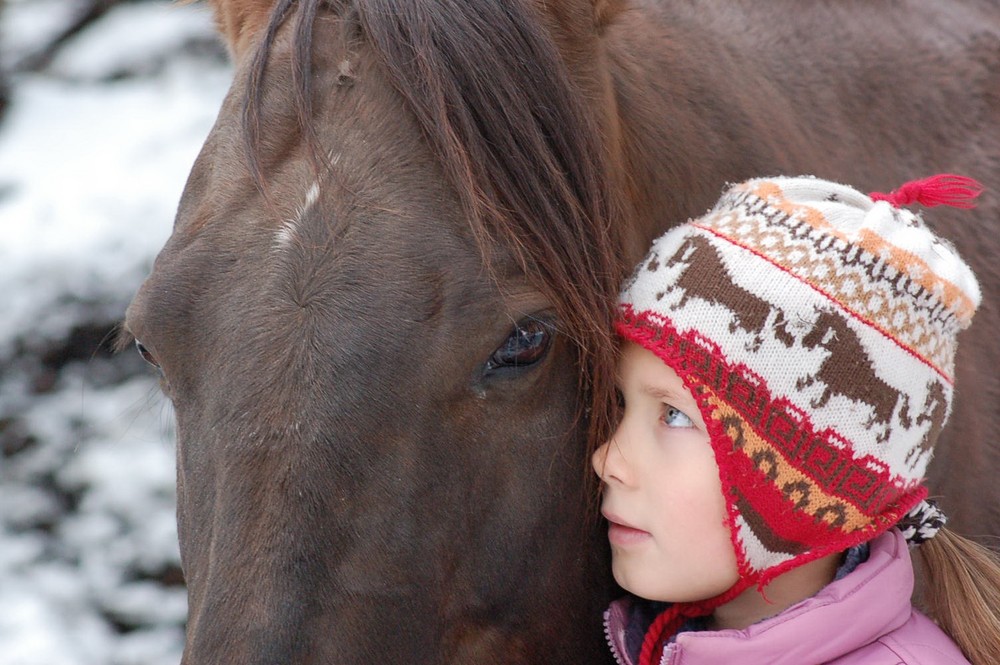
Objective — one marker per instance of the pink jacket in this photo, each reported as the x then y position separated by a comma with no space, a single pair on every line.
864,618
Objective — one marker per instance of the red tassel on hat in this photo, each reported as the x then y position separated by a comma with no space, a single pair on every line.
945,189
671,619
663,627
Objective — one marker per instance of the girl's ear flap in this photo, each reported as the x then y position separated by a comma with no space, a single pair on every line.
239,21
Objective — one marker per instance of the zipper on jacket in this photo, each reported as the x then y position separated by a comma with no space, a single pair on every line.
611,643
669,651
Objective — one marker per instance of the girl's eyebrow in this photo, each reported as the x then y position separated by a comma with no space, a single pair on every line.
660,393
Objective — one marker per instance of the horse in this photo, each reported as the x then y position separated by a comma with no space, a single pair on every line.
383,314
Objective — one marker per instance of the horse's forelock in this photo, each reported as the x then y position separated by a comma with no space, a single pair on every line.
511,130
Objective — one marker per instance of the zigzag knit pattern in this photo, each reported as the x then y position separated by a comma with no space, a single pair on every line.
816,328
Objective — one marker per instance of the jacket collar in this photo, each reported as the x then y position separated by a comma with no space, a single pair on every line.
845,615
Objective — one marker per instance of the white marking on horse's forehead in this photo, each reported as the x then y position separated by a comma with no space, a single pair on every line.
286,234
311,197
288,231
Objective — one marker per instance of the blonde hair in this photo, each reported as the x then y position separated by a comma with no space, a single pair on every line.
961,592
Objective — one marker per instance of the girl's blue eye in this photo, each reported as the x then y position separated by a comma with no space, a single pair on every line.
676,418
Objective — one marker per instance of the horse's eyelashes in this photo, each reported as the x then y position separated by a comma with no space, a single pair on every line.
525,345
146,354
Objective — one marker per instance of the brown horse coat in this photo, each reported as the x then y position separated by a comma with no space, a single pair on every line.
383,315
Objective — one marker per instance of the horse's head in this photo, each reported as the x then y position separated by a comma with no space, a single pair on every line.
390,267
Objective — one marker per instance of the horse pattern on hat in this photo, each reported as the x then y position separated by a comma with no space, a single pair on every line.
817,330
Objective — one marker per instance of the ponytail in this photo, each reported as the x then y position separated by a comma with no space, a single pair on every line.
962,593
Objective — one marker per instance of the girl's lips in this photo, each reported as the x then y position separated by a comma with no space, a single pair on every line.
623,535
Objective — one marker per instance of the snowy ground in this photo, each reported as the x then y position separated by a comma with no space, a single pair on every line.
94,150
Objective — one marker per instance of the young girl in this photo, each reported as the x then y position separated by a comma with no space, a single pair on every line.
788,366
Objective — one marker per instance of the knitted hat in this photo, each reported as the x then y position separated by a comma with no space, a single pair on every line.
816,328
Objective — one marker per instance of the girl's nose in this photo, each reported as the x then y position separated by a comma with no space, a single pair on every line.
599,460
608,461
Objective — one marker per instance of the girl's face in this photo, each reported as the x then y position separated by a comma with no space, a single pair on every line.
662,494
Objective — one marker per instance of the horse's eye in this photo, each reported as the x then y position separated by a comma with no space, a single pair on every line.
146,354
525,345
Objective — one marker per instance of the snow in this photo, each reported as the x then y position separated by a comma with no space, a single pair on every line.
94,152
91,172
115,44
23,30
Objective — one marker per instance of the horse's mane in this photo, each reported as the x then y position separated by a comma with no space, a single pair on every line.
497,105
